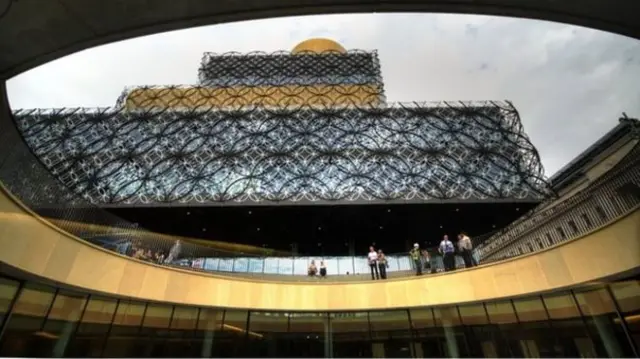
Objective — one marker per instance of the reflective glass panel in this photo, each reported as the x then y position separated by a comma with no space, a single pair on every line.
570,331
207,331
390,333
95,322
23,333
350,332
501,312
267,334
62,320
233,339
604,326
8,289
184,318
473,314
308,333
125,333
530,309
627,295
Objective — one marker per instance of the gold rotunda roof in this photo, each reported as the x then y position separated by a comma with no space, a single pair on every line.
318,45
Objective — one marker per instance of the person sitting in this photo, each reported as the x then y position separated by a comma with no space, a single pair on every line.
323,269
312,270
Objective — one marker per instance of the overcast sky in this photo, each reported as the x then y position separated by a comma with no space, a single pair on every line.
570,84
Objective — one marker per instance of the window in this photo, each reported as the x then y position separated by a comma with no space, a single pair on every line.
549,238
208,329
586,220
390,333
571,335
23,335
573,226
561,233
93,327
501,312
124,336
267,334
627,295
601,213
598,308
64,314
307,334
351,337
473,314
530,310
8,290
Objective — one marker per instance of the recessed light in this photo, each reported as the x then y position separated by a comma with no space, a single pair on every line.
204,229
258,229
249,212
319,228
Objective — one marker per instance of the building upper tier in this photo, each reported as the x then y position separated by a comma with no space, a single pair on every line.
317,72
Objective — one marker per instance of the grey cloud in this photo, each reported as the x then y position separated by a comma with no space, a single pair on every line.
570,84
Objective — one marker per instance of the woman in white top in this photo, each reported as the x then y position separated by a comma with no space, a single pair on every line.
465,247
372,257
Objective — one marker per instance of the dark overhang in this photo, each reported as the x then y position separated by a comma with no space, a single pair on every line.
35,31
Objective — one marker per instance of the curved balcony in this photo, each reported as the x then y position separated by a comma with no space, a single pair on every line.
51,254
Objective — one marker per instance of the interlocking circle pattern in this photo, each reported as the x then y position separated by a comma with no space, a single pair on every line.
436,151
285,128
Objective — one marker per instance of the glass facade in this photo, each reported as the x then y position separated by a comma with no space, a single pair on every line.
594,321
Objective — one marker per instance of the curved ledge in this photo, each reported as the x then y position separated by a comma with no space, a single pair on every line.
33,245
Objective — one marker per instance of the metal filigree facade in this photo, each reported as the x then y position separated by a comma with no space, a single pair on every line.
279,79
404,152
284,127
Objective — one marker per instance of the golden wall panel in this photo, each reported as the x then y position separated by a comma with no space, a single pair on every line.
233,97
34,245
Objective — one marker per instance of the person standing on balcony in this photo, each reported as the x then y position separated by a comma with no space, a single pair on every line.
382,264
448,253
415,257
426,259
174,252
372,257
465,247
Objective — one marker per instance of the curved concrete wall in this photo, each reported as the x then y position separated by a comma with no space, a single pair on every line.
35,246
